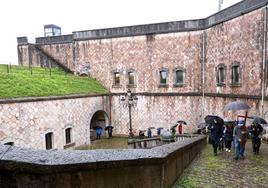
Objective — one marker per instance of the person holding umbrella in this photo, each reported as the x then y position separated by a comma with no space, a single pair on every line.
240,139
109,128
216,130
255,131
180,126
240,132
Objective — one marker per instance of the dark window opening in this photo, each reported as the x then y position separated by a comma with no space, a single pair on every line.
68,135
131,77
179,77
49,140
235,74
9,143
163,77
220,75
116,78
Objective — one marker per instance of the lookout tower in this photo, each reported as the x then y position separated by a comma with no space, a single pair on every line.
52,30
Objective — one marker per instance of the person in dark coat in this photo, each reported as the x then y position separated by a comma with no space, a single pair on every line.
228,136
216,133
110,131
141,134
255,131
149,133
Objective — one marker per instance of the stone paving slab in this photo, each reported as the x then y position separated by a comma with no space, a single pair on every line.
212,171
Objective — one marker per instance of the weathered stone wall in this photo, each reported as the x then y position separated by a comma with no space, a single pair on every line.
23,54
238,40
26,123
62,52
146,55
165,111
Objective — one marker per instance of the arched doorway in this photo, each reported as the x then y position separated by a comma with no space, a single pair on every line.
99,119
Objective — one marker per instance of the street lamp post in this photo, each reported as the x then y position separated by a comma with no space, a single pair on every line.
129,101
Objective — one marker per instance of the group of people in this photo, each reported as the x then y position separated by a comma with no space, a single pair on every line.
98,130
236,134
142,133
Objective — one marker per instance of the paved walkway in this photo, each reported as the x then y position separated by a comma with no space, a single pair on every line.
212,171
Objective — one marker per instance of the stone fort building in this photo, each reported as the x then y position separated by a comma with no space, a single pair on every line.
181,70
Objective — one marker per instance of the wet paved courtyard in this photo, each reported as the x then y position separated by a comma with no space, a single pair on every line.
212,171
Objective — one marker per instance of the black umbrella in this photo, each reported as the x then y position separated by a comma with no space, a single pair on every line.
235,106
211,119
109,127
259,120
181,122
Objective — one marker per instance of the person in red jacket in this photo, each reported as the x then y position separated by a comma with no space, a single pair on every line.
180,128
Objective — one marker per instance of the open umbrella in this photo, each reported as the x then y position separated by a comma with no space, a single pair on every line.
211,119
181,122
151,127
259,120
235,106
109,127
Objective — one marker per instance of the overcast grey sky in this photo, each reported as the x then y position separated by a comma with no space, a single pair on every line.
27,17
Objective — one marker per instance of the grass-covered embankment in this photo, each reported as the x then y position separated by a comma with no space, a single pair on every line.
19,81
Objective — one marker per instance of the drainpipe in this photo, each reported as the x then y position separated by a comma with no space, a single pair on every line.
263,80
110,109
203,74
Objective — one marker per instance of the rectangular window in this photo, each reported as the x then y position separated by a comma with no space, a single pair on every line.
163,77
116,79
179,77
131,78
220,75
235,74
49,140
68,135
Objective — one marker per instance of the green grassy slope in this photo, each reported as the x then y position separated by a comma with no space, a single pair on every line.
19,81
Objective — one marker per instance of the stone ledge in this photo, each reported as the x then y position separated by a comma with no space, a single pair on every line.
35,99
22,159
186,94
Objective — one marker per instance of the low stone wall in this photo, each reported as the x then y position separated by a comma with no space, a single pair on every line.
157,167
